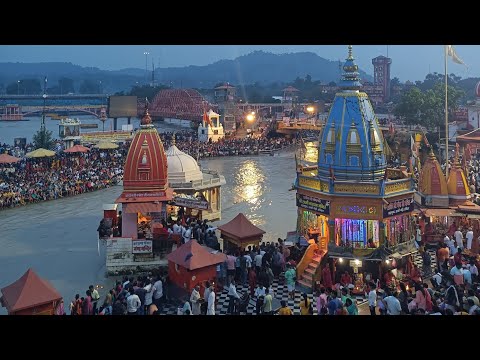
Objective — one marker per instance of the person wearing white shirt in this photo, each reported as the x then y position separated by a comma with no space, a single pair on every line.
459,238
133,303
451,247
446,239
393,305
211,302
249,260
233,296
149,295
469,237
177,228
372,299
158,292
187,235
258,262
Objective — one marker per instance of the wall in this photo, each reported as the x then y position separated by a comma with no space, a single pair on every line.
183,277
129,225
45,309
183,123
118,251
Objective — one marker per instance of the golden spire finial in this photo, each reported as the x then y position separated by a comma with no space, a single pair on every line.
146,119
350,53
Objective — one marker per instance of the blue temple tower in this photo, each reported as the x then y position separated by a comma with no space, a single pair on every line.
351,203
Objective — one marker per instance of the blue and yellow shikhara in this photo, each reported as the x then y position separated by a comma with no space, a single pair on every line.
351,202
351,143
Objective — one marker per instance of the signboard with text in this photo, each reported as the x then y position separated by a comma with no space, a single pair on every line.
142,246
398,207
191,203
314,204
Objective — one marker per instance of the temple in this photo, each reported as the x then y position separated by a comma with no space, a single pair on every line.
349,202
197,191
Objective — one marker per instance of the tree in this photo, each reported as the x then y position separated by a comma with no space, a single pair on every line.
25,87
89,87
66,85
43,139
147,91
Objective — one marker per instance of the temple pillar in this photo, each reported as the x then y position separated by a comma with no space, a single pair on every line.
381,235
331,231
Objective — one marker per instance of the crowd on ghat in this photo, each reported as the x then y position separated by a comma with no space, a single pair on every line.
42,179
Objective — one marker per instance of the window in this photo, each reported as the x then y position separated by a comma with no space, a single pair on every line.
203,132
353,160
329,158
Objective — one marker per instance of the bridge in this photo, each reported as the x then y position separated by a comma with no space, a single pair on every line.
94,110
5,97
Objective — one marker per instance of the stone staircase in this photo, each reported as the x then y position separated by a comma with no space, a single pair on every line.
306,279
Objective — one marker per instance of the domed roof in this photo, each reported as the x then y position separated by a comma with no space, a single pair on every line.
457,184
182,168
146,164
477,90
351,143
432,181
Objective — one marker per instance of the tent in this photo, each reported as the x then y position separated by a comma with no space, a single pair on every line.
8,159
39,153
241,232
77,149
105,145
192,264
30,295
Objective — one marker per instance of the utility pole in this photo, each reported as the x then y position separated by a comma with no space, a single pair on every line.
42,125
146,53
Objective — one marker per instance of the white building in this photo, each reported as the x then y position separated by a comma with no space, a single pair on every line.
211,129
198,191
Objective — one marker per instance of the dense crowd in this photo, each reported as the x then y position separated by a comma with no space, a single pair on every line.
35,180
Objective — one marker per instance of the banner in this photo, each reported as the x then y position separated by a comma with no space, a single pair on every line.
313,204
142,246
398,207
191,203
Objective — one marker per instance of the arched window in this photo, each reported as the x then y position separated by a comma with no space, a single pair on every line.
353,160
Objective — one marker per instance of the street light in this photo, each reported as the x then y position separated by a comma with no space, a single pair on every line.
310,109
18,87
146,53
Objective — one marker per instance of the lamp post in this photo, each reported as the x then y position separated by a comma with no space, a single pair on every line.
146,53
18,87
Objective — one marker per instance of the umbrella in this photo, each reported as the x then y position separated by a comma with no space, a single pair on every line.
39,153
103,145
77,149
8,159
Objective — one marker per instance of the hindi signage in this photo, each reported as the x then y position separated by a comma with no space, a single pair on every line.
191,203
398,207
142,246
147,194
314,204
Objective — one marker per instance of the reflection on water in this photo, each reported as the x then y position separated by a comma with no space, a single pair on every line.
59,239
248,182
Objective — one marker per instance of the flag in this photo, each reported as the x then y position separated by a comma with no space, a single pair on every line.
206,119
453,54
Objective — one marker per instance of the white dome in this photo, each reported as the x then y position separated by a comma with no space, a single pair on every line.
182,168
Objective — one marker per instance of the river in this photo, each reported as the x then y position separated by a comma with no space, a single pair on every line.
58,239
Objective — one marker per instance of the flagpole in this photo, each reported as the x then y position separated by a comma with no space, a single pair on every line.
446,113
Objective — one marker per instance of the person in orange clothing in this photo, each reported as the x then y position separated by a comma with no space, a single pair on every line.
284,310
305,305
442,257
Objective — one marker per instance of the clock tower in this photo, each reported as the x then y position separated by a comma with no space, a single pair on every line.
381,71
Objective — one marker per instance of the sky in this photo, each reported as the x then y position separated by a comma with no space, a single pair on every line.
409,62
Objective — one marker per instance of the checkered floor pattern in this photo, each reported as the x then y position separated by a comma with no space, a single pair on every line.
280,292
417,259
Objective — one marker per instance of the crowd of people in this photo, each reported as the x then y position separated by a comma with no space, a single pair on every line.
35,180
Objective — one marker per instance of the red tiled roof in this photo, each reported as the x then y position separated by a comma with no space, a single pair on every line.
240,228
193,256
28,291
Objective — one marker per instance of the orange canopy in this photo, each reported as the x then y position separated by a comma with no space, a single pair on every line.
27,292
240,228
77,149
193,256
8,159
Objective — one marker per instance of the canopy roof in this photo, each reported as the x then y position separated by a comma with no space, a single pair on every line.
77,149
104,145
8,159
39,153
27,292
240,228
193,256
